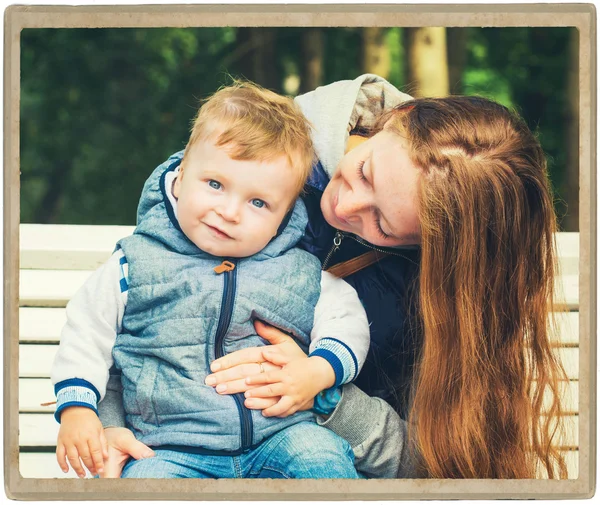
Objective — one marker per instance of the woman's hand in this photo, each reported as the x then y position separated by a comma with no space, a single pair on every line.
230,372
278,379
121,445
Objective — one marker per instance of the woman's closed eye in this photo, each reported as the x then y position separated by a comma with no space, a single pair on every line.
377,221
361,173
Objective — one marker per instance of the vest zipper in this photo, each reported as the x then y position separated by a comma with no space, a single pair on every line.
229,287
337,241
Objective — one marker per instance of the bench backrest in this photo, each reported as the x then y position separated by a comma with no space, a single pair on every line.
55,260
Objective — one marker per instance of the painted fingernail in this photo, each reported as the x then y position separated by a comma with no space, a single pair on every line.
210,381
221,388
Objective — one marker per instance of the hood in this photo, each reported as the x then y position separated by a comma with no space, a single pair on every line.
338,108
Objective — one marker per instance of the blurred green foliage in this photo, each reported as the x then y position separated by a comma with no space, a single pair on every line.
100,108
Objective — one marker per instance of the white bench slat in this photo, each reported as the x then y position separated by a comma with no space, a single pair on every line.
45,246
68,247
41,430
49,288
566,291
36,360
54,288
44,324
41,324
43,465
567,328
34,392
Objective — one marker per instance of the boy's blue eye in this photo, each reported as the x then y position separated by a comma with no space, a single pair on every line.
215,184
258,203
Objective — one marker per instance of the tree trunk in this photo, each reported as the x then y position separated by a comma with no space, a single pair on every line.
571,195
311,72
457,58
427,64
257,56
376,55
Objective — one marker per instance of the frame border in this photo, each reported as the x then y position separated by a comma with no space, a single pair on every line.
581,16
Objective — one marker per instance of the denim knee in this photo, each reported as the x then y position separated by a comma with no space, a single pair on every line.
164,465
307,450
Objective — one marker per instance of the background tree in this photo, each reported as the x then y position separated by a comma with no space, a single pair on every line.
375,52
312,55
100,108
427,61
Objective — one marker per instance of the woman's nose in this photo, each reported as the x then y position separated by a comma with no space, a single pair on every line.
351,205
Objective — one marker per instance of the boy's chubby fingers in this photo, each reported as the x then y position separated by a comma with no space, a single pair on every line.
61,457
243,356
86,457
73,457
104,444
95,451
280,408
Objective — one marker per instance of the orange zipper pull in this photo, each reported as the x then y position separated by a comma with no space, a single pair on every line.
226,266
46,404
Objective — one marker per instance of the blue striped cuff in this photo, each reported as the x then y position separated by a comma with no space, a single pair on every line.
340,357
75,392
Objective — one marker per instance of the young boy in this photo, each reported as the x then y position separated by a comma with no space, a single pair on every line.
214,249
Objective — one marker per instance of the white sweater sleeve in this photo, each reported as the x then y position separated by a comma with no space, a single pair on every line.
341,331
94,318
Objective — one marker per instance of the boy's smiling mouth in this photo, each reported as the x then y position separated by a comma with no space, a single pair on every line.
217,232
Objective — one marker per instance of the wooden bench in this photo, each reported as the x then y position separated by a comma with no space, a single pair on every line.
56,259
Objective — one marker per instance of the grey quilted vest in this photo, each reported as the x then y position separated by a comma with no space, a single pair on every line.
181,315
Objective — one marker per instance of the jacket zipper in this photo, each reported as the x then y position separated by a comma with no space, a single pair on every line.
229,287
337,241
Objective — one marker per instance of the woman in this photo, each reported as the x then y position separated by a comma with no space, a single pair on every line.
454,358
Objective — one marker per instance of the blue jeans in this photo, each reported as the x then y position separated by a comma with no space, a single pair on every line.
302,451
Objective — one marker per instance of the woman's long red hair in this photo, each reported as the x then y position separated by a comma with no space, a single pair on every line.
486,394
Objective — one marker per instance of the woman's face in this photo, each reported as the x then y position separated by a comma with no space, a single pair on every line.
373,193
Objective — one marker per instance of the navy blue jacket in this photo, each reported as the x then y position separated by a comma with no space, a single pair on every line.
388,291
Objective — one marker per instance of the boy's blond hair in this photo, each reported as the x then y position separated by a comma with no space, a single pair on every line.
253,123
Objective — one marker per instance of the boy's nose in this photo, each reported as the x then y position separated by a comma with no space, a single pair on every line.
230,211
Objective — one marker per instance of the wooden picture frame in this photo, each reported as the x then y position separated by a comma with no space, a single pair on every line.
580,16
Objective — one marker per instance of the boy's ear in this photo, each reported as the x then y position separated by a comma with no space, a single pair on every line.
177,184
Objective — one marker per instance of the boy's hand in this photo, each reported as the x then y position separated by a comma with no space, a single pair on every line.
81,436
296,384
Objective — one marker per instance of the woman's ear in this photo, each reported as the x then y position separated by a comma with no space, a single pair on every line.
354,141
